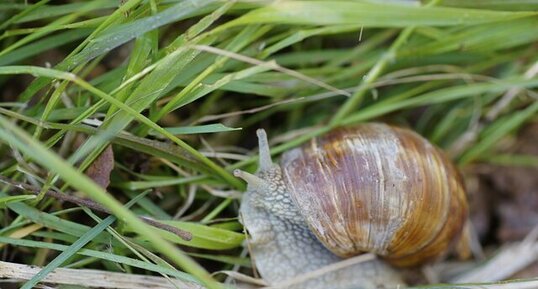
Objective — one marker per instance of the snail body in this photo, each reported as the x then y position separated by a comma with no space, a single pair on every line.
369,188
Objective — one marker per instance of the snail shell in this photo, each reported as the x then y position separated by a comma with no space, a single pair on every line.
377,188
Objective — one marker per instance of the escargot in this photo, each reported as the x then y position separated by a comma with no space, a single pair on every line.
368,188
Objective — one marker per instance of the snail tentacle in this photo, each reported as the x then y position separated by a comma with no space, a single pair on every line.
265,162
254,182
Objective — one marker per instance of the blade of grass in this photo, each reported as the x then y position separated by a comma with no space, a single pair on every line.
207,128
226,80
14,199
138,250
52,221
140,57
303,34
151,147
204,236
513,5
515,160
369,14
125,108
119,13
75,247
51,27
239,42
375,72
50,11
371,76
232,260
481,38
118,35
498,130
438,96
38,152
23,13
104,256
142,185
42,45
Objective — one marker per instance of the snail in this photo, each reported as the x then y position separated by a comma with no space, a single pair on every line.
368,188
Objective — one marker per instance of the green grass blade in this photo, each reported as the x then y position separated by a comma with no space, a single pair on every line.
18,138
512,5
14,199
151,147
42,46
70,251
514,160
127,114
102,255
142,185
439,96
126,32
50,28
497,130
74,248
51,11
207,128
243,262
370,14
119,13
52,221
23,13
204,236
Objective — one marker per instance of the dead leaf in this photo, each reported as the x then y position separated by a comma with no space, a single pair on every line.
99,170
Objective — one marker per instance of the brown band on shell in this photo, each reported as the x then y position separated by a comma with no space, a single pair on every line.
379,189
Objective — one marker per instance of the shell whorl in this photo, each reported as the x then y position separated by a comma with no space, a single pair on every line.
377,188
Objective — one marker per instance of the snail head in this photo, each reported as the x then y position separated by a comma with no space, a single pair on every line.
267,170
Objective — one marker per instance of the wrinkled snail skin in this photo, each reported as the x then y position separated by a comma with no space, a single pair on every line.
369,188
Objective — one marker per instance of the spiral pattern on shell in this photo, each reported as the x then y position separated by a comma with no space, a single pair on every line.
377,188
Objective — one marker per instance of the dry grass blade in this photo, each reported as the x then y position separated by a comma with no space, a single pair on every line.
511,259
272,65
247,111
324,270
519,285
93,278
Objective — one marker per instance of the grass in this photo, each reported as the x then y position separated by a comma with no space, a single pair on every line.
159,79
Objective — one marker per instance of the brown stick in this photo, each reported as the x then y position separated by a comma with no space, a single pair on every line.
92,205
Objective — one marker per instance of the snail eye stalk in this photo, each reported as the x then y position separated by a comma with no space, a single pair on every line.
265,162
254,182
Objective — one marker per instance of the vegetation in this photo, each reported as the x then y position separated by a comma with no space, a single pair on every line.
170,92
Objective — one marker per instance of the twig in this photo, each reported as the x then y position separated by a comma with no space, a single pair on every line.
510,260
93,278
92,205
249,111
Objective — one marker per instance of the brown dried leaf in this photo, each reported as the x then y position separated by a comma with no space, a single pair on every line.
99,170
